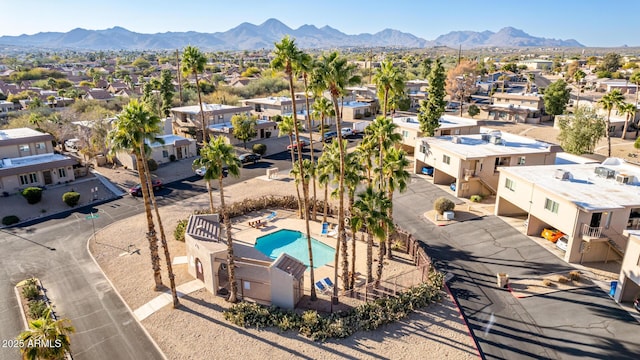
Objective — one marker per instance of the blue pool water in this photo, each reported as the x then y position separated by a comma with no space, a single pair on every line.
294,243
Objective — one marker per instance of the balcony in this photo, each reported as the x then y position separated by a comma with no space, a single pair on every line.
468,174
591,232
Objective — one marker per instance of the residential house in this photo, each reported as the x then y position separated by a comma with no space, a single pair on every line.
594,205
416,90
628,286
163,150
515,107
269,107
5,108
469,163
28,160
186,120
409,128
277,282
536,64
624,86
98,94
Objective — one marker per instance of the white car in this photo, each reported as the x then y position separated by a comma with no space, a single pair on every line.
347,132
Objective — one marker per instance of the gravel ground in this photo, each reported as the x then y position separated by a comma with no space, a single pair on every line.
435,333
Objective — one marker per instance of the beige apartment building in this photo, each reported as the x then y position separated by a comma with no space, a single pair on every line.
594,205
409,128
514,107
163,150
268,107
628,286
186,120
469,163
27,159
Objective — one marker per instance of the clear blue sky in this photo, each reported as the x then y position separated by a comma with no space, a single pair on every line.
591,22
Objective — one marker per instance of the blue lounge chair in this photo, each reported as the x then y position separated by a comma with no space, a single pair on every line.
325,229
328,282
271,216
320,287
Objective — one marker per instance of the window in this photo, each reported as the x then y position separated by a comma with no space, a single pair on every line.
405,134
551,205
607,220
521,160
510,184
165,154
423,148
456,132
26,179
40,146
62,173
23,148
446,159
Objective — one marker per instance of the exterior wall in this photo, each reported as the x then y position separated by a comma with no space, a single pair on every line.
127,160
409,137
196,251
13,151
282,287
629,280
12,183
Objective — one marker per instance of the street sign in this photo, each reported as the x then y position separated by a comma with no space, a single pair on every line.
92,216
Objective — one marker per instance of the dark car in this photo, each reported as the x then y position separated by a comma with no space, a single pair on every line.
329,136
249,158
137,190
427,170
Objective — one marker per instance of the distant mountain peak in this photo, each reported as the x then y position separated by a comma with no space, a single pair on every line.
247,36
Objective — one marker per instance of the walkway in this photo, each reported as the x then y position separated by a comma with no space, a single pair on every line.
165,299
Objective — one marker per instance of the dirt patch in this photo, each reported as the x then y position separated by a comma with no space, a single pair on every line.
521,288
462,212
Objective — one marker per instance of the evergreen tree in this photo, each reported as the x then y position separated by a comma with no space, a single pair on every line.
580,133
432,109
556,98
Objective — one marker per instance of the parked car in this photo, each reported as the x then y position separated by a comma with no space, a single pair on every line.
249,158
347,132
427,170
301,143
562,243
200,171
551,234
137,189
636,302
329,136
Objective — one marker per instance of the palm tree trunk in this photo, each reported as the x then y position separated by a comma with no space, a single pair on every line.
151,231
342,239
233,287
326,204
205,135
369,257
624,129
313,160
293,164
350,283
381,252
211,209
163,240
389,233
386,97
609,134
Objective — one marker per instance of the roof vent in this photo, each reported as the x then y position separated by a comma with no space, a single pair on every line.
455,139
496,140
623,179
604,172
562,174
485,137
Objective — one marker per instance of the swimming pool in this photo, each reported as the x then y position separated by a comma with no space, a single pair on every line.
294,243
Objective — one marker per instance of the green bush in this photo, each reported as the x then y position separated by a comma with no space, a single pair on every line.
31,291
71,198
443,204
37,308
178,233
10,220
32,194
476,198
366,317
259,149
153,165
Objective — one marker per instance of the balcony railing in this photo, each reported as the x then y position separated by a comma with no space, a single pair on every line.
468,173
591,231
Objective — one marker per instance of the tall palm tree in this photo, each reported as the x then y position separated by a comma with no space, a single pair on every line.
370,210
323,109
629,110
193,62
393,168
334,74
382,131
46,330
609,101
352,178
328,170
218,154
133,126
577,77
388,80
286,126
287,58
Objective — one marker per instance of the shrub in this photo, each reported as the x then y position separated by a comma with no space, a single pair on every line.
547,282
10,220
153,165
259,149
30,291
476,198
563,279
71,198
443,204
473,110
32,194
37,308
172,157
178,233
574,275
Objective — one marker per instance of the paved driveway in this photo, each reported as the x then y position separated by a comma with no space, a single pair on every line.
576,324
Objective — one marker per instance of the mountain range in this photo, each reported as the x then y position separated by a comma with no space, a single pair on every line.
248,36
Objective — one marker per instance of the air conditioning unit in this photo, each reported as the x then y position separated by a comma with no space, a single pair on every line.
485,137
496,140
623,179
455,140
562,174
604,172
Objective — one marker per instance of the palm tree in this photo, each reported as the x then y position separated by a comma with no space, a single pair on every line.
134,125
382,131
286,126
388,79
393,168
193,62
635,79
609,101
371,210
334,74
352,178
629,110
216,153
323,108
328,169
577,77
287,58
46,330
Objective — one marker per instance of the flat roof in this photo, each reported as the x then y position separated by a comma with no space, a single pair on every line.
584,187
354,104
14,166
20,133
273,100
474,147
195,109
446,122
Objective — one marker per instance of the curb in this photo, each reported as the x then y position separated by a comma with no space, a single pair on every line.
144,330
464,320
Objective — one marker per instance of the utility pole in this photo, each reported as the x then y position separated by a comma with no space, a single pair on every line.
459,53
179,81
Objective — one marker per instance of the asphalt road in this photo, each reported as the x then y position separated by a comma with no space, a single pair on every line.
577,324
